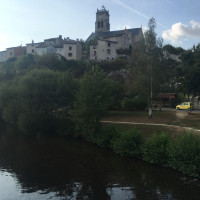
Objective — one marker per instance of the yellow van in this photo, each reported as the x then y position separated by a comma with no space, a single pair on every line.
185,106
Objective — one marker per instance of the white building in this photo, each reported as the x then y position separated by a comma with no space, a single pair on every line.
70,49
3,56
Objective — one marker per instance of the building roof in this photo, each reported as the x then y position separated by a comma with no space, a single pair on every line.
54,39
133,31
42,45
107,41
166,95
16,47
70,42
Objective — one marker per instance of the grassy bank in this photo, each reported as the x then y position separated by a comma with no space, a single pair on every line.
181,153
177,118
173,147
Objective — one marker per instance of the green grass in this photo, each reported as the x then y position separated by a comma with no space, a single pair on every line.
178,118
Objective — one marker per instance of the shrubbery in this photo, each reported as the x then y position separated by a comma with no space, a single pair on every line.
185,154
134,103
182,154
129,143
156,149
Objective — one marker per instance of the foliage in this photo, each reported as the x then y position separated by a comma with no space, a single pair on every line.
24,62
188,72
155,150
30,102
106,136
129,143
92,100
134,103
173,50
185,154
111,65
146,65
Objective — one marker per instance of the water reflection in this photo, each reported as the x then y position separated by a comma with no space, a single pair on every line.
56,168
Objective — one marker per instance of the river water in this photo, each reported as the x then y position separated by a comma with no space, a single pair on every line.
57,168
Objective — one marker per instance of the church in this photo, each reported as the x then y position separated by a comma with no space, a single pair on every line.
109,45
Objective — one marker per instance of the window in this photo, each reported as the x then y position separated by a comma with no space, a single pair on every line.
101,23
10,53
113,58
108,44
95,53
32,51
94,46
107,58
70,48
70,54
108,51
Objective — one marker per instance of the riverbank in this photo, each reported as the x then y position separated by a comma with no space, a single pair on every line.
173,146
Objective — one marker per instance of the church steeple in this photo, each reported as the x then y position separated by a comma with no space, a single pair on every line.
102,20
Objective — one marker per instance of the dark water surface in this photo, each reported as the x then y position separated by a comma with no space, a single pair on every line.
57,168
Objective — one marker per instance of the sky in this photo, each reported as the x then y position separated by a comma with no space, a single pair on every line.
21,21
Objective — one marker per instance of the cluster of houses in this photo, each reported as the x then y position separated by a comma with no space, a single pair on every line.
104,44
66,47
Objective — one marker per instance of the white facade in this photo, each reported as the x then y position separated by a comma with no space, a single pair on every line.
103,50
31,48
41,51
3,56
72,51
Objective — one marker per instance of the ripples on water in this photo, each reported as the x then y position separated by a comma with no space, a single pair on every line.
57,168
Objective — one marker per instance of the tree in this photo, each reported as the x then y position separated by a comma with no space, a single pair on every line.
146,61
92,100
188,72
32,101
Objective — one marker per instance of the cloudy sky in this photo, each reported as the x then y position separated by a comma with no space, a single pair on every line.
21,21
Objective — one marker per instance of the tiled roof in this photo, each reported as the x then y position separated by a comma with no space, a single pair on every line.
134,31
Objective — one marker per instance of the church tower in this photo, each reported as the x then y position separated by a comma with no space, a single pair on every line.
102,20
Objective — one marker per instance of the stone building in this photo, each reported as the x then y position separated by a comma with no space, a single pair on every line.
106,44
70,49
14,52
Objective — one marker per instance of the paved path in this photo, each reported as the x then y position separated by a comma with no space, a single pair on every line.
152,124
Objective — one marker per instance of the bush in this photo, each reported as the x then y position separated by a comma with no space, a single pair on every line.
129,143
135,103
156,149
106,137
185,154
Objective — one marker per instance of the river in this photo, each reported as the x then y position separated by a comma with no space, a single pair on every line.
58,168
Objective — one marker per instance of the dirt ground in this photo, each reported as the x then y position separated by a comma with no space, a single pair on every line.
172,122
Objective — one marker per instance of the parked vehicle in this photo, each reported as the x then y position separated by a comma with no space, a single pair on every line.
185,106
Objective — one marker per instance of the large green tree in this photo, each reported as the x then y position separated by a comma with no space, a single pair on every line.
188,72
146,62
93,100
33,102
